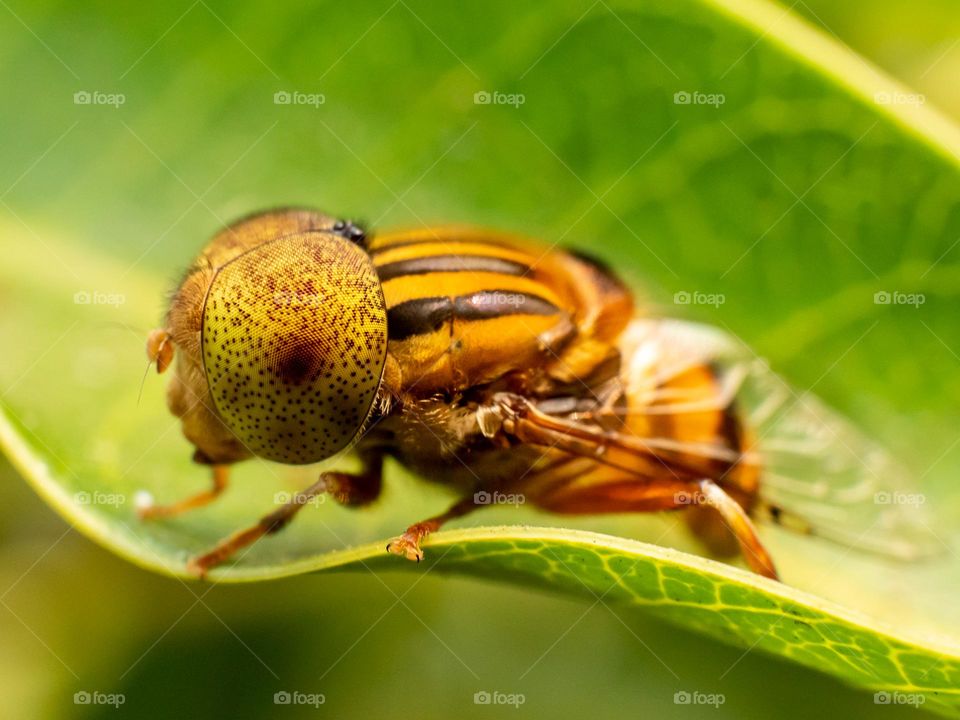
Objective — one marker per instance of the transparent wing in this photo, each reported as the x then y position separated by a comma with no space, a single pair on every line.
818,472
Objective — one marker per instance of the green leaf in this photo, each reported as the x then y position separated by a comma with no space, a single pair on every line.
797,198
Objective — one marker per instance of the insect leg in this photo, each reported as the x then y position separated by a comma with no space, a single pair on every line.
522,421
736,519
350,489
408,544
220,481
267,525
357,490
519,419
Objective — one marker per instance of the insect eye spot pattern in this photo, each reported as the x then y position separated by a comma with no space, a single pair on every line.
294,341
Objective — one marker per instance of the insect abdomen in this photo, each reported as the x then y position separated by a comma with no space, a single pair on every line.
671,395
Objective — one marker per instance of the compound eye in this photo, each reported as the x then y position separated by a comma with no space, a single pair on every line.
294,341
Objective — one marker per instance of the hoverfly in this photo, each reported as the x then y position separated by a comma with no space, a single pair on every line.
496,365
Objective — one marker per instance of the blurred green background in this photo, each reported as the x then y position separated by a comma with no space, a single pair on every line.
197,141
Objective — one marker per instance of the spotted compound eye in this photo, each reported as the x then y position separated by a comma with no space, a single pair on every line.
294,341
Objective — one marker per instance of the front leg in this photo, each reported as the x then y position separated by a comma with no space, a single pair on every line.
147,510
356,490
344,487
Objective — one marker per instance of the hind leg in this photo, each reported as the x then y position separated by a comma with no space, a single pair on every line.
647,477
737,521
719,514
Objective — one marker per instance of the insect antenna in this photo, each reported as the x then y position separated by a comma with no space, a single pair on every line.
143,381
114,324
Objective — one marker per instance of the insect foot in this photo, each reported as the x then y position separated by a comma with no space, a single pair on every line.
408,544
198,566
